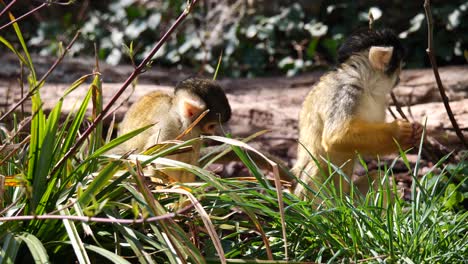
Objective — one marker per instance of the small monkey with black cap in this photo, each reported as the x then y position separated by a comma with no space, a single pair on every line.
344,114
171,115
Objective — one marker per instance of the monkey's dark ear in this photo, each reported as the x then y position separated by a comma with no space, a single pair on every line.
191,109
380,57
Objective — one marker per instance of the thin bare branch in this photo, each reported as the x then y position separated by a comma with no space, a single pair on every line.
44,77
88,219
129,80
398,106
431,53
30,12
428,149
7,7
371,19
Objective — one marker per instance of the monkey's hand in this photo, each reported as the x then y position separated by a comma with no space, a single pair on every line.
417,132
407,134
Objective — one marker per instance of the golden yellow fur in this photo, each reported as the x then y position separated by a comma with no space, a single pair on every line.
344,114
170,115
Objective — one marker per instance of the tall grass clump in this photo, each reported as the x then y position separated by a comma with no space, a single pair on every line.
374,227
60,199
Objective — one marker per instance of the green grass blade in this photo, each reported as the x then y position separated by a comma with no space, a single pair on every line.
75,85
116,142
114,258
161,238
10,248
25,48
73,235
46,154
35,143
36,248
12,48
135,245
174,236
96,140
218,65
99,183
75,126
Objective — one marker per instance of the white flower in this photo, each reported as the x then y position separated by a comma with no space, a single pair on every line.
114,57
317,29
135,28
415,25
375,11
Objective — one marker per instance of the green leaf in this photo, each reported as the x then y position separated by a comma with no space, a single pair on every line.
45,154
77,121
25,49
116,142
77,244
98,183
96,136
17,53
452,196
11,245
107,254
37,249
135,245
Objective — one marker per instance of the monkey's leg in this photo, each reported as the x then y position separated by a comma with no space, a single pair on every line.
310,176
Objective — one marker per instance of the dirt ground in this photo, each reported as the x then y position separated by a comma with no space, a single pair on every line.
271,104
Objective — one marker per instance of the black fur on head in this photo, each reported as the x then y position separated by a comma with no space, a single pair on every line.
364,39
213,96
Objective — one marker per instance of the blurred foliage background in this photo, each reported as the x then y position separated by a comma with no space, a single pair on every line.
255,37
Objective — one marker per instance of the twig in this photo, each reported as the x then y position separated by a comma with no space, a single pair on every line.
129,80
428,148
391,112
431,53
7,7
23,16
44,77
371,19
398,106
88,218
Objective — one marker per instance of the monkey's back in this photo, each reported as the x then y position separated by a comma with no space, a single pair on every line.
318,106
326,107
150,109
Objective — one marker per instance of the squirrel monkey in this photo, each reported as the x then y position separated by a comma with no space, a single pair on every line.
171,115
344,114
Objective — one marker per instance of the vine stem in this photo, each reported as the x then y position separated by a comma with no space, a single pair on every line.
431,53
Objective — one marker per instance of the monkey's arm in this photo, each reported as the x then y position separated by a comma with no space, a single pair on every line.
370,138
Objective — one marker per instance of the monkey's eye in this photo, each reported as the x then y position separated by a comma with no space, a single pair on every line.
209,128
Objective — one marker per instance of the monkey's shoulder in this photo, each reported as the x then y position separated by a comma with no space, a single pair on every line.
146,110
155,96
334,97
334,87
152,102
